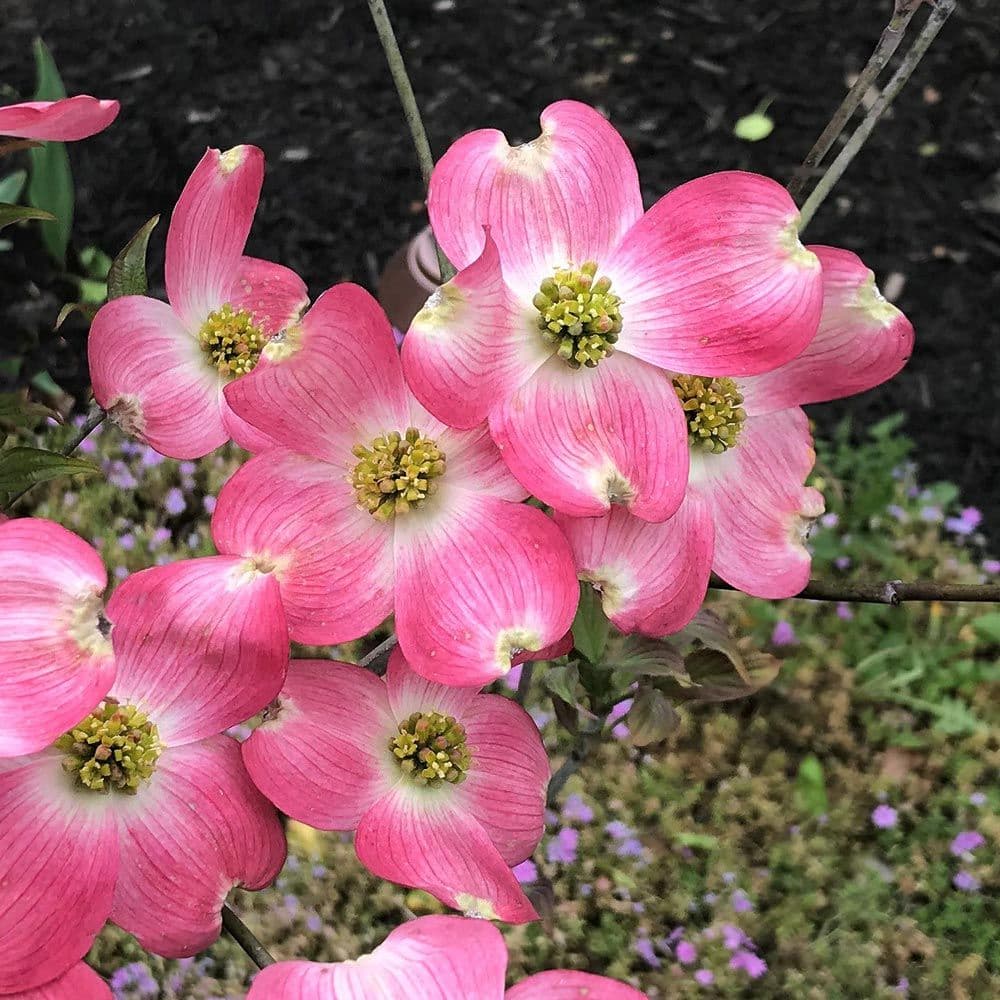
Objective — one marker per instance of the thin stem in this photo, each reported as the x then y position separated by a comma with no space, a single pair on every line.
397,67
379,654
94,419
889,41
892,592
935,22
245,938
584,743
524,682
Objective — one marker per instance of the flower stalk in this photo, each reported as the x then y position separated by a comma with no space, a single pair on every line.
245,938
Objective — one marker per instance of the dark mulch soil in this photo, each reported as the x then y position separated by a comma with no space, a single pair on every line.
306,81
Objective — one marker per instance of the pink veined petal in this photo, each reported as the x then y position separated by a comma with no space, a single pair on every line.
321,756
333,560
761,509
201,644
67,120
52,652
652,577
477,584
560,985
583,440
58,864
714,280
568,196
472,344
197,829
330,382
409,692
423,838
80,983
208,230
862,341
248,437
506,784
430,958
154,378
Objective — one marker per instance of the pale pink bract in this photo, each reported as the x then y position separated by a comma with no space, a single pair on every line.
66,120
80,983
431,958
199,646
712,280
746,511
473,576
323,757
149,366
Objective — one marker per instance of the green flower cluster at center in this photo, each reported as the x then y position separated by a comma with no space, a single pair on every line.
579,315
396,472
114,749
714,411
231,341
430,749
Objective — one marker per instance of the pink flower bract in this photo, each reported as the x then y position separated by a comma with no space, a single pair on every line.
55,660
371,506
160,369
80,983
431,958
746,512
325,757
59,121
143,813
571,303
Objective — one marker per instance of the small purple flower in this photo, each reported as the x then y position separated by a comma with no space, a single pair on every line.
620,710
991,565
209,503
931,514
630,847
644,948
127,541
686,952
150,458
742,902
729,877
621,732
88,446
965,881
967,840
576,810
314,923
121,572
897,512
783,635
562,847
977,799
586,889
903,986
884,817
842,562
704,977
968,520
844,612
619,830
733,937
174,501
187,468
753,965
829,520
526,871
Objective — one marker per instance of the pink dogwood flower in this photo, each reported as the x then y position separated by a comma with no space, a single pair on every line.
142,812
746,513
572,309
54,649
80,983
159,369
432,958
443,786
371,506
67,120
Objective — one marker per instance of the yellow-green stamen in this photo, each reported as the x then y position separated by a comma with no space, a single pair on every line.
714,411
114,749
231,341
396,472
430,749
579,315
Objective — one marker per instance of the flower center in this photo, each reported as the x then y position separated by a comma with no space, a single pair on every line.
113,749
579,315
231,341
396,472
714,411
431,750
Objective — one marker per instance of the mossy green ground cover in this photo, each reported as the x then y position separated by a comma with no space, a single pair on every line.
799,844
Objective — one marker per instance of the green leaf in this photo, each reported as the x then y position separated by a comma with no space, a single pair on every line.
562,681
639,656
17,411
754,127
713,633
127,275
590,627
51,184
988,626
86,310
714,678
652,718
810,787
12,186
9,214
23,467
702,841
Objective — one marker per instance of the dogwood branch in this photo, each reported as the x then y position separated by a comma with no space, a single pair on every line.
889,41
245,938
397,67
94,420
379,656
940,13
892,592
584,742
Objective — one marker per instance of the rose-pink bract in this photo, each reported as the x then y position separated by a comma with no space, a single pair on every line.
746,512
79,983
65,120
147,363
324,758
432,958
712,281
